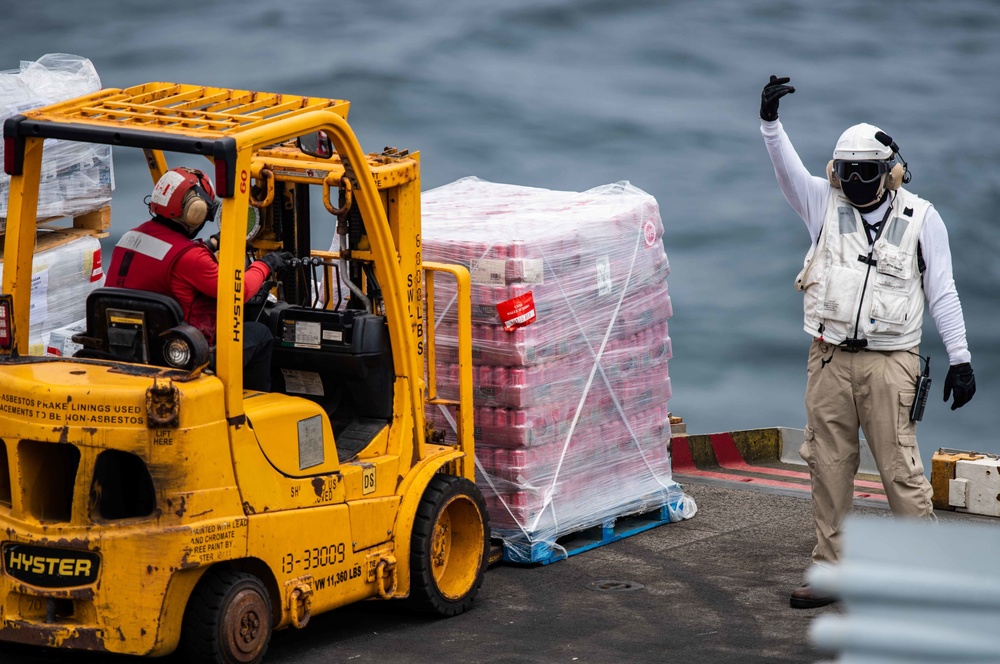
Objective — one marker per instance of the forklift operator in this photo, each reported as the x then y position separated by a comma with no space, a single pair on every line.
162,256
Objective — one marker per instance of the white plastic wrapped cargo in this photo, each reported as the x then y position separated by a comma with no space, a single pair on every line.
62,276
570,352
76,177
61,344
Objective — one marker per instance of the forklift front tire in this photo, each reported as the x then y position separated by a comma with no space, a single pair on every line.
450,546
228,620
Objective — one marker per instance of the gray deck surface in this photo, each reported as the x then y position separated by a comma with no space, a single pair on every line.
714,589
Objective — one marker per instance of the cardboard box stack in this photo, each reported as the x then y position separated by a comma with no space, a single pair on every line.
570,347
65,268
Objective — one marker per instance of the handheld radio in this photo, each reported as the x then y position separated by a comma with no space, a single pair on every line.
923,388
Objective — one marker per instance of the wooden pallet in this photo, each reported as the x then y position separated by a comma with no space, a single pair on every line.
50,238
97,222
521,551
50,235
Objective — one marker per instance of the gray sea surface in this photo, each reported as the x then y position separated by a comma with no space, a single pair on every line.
571,94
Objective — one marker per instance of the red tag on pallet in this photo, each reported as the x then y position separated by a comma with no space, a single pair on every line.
517,311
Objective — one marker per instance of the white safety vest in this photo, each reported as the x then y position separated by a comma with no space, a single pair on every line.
881,292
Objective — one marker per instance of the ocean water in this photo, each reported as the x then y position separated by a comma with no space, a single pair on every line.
571,94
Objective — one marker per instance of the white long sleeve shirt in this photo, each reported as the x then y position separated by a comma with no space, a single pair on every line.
809,195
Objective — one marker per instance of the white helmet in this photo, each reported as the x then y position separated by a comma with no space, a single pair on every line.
858,143
864,167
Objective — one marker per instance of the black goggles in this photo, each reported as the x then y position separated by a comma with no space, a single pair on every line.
865,171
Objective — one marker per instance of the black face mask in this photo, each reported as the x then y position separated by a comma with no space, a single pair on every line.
861,194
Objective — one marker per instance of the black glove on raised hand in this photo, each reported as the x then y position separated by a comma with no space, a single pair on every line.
213,241
773,91
960,380
278,260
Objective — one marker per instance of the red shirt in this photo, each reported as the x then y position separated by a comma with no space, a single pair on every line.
159,258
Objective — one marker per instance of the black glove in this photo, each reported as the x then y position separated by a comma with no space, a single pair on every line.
213,242
961,380
773,91
278,260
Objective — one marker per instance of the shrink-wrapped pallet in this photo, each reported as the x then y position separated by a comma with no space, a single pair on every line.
76,177
571,344
65,268
61,344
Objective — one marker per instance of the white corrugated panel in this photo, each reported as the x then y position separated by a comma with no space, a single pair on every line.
914,592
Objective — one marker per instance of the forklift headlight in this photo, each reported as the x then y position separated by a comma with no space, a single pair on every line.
177,352
185,347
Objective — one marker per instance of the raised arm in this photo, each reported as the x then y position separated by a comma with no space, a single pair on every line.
808,195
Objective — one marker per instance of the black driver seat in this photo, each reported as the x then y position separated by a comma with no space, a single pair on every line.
126,324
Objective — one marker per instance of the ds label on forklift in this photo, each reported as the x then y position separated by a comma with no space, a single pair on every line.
368,480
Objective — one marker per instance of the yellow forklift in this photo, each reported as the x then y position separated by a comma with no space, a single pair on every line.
149,502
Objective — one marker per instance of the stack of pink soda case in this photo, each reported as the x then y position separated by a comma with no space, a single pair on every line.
571,415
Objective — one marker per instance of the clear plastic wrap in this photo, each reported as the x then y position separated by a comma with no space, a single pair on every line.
62,277
76,177
61,344
571,417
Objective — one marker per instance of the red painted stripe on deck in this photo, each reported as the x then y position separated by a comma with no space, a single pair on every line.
683,464
729,457
680,456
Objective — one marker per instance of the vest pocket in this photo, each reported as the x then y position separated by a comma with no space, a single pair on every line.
894,262
890,304
889,310
843,289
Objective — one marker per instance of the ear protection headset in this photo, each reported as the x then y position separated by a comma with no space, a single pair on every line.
195,209
198,205
831,176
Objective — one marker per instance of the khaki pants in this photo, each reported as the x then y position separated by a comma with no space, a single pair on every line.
872,390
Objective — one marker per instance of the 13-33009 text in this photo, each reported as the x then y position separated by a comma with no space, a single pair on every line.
314,558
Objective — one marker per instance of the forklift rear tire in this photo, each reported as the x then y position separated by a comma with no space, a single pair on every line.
228,619
450,546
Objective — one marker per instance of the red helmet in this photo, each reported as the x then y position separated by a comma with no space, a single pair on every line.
170,196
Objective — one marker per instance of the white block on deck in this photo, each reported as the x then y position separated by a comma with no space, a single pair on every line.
982,488
958,492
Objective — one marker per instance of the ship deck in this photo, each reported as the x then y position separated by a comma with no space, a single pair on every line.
711,589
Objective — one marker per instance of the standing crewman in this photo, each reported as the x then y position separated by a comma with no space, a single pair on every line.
877,253
162,256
